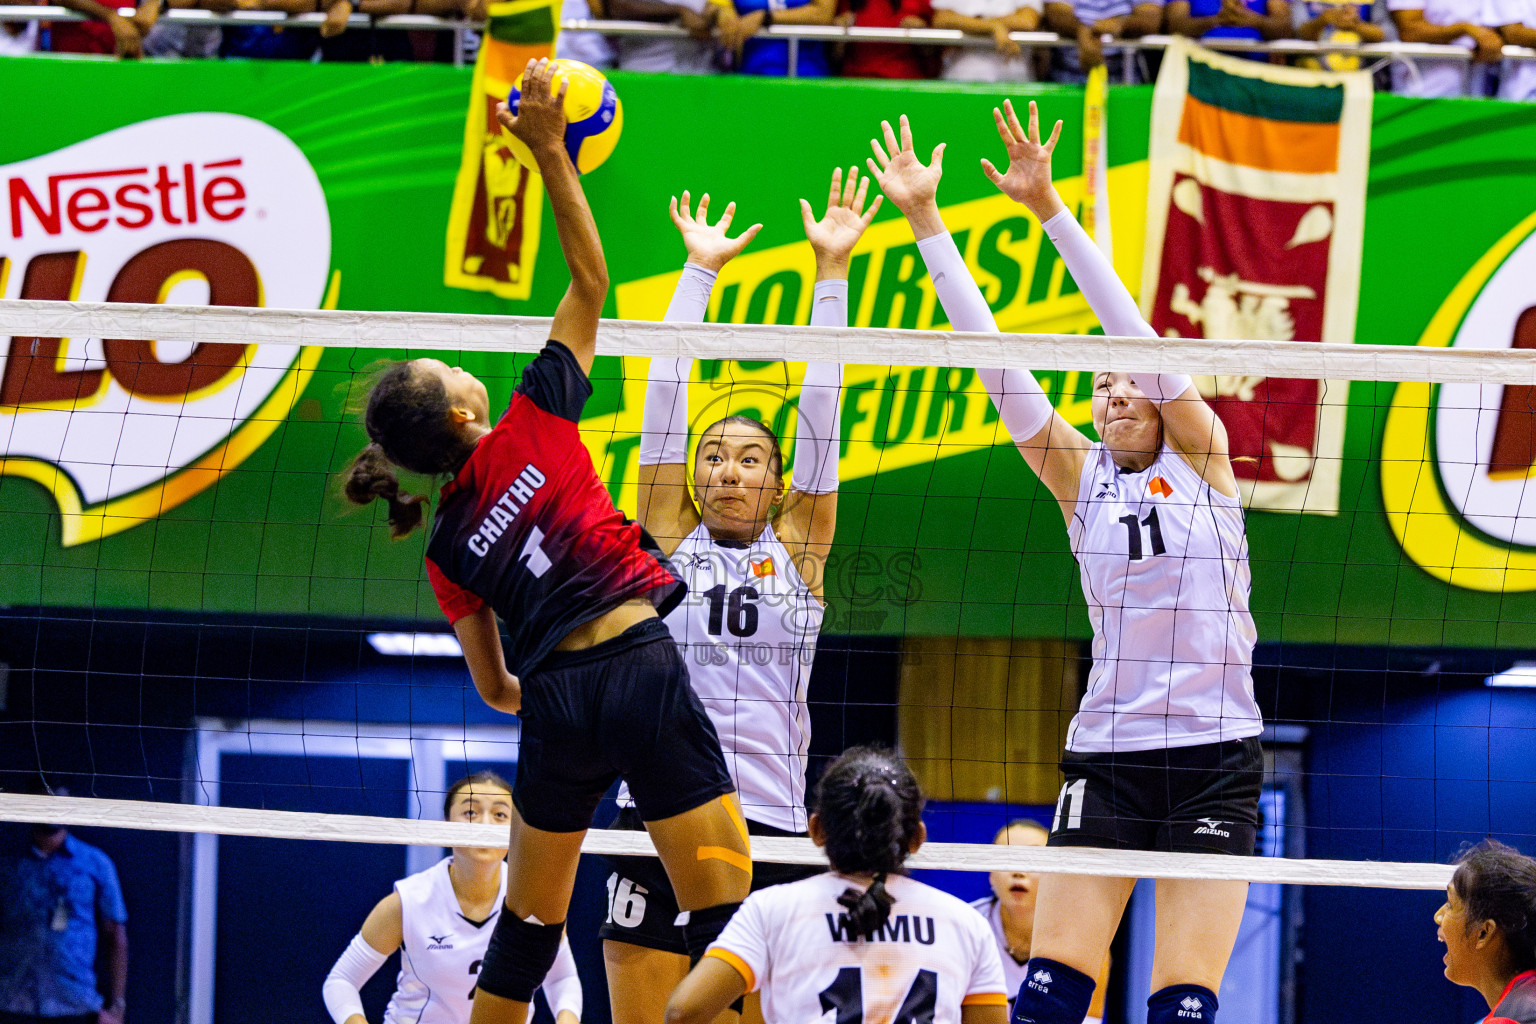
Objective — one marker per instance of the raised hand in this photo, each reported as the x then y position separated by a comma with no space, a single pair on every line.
1028,180
834,236
540,118
709,246
900,174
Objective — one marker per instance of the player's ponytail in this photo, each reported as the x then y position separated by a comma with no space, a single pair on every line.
371,476
1498,883
870,810
407,419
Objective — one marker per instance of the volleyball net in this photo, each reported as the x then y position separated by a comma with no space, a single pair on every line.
201,638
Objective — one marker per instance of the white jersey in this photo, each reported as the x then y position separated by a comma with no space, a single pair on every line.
1164,564
748,630
793,944
1013,971
442,950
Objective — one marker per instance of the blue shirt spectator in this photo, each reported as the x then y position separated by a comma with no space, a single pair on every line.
1230,19
57,896
771,56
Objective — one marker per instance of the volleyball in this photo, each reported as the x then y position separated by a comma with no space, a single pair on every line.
594,116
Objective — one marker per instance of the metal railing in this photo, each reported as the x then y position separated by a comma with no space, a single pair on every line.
795,34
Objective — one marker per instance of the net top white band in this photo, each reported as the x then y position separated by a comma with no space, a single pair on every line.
348,828
459,332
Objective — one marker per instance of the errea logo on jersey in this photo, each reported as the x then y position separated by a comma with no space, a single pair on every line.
195,209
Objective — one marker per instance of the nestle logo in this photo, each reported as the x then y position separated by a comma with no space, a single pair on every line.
130,197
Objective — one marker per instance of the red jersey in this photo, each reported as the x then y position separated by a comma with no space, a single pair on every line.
1518,1003
527,527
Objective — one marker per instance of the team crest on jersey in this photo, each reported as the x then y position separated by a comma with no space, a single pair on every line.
1157,485
763,568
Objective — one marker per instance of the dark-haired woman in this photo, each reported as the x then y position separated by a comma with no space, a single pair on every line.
753,559
1163,753
440,920
1010,911
525,531
1488,925
863,940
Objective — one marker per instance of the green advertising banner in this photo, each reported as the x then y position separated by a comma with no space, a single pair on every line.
203,478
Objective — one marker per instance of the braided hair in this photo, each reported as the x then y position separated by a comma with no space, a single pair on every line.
1498,883
407,420
871,810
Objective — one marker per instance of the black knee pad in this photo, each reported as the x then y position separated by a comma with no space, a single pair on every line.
703,927
520,954
1182,1004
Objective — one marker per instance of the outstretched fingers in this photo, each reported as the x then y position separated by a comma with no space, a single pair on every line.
869,214
1050,144
857,205
1014,128
702,216
891,145
993,174
726,217
1003,131
906,134
835,193
880,154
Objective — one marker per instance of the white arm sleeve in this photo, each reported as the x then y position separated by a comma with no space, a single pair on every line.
664,422
816,425
1019,399
357,963
562,986
1109,300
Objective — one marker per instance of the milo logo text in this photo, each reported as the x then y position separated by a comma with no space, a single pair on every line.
196,209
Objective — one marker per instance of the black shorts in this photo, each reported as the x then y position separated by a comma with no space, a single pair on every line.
1202,799
621,708
642,909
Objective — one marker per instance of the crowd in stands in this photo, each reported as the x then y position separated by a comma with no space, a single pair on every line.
721,36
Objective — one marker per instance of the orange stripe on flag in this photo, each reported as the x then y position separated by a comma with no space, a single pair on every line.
1269,145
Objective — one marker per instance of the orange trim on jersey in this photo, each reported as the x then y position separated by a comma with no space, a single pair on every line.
985,999
736,962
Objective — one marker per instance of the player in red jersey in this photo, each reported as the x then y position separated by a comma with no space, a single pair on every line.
1488,925
526,531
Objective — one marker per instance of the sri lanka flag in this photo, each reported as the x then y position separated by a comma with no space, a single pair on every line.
493,225
1255,220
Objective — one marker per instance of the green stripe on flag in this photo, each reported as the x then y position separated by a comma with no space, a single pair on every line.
1256,97
535,24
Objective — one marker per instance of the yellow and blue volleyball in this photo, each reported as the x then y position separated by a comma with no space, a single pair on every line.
594,116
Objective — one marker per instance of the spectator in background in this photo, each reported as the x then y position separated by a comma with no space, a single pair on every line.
885,60
1089,21
1337,21
1230,19
741,19
692,56
588,47
61,910
18,38
106,32
1517,25
1462,22
1006,61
